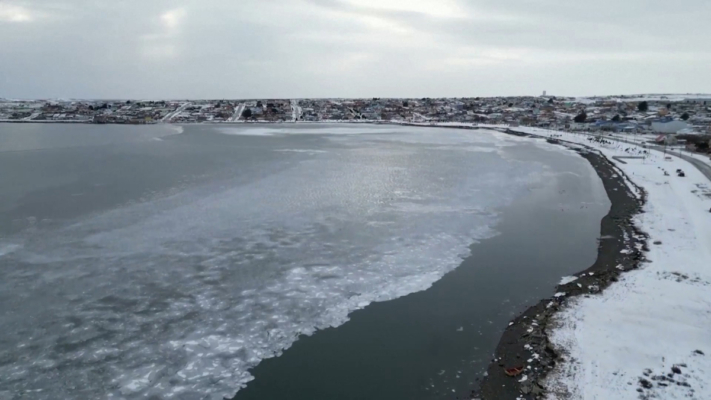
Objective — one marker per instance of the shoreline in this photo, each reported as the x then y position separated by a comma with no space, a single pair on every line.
520,341
434,325
525,342
451,124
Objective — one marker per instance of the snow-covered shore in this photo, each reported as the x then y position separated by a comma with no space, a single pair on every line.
648,335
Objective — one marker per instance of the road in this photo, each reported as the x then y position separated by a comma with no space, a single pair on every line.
700,165
170,116
238,112
422,117
703,167
295,110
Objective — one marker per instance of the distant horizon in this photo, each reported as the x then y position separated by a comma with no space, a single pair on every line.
342,97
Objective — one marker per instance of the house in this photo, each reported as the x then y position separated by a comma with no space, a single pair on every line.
700,100
667,139
579,126
616,126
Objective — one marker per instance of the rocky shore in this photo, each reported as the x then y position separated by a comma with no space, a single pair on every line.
525,355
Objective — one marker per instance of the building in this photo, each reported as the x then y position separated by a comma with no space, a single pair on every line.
667,126
667,139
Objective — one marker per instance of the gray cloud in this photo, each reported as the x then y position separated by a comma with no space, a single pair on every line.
328,48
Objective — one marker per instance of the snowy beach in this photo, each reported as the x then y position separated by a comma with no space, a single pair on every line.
646,336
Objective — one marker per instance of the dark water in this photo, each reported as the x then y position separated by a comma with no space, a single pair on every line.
156,262
435,344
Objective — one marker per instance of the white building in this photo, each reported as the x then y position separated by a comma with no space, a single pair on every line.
669,127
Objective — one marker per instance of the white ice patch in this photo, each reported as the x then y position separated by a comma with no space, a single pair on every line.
7,248
567,279
308,151
178,129
304,129
251,131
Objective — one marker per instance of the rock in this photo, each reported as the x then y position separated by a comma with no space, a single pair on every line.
699,352
657,242
645,383
676,370
525,389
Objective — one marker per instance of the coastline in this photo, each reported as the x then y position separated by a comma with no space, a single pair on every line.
511,350
525,342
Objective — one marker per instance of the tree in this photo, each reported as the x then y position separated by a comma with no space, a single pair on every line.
685,116
616,118
580,117
510,105
668,106
405,104
550,101
643,106
247,113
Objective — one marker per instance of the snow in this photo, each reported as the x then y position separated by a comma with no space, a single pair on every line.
647,97
625,342
567,279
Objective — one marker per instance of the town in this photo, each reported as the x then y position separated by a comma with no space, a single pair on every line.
673,119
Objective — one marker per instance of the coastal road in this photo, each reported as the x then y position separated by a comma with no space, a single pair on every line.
704,168
700,165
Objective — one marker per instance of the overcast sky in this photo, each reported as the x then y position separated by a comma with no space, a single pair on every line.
351,48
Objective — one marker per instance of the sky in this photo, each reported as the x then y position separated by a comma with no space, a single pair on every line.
152,49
